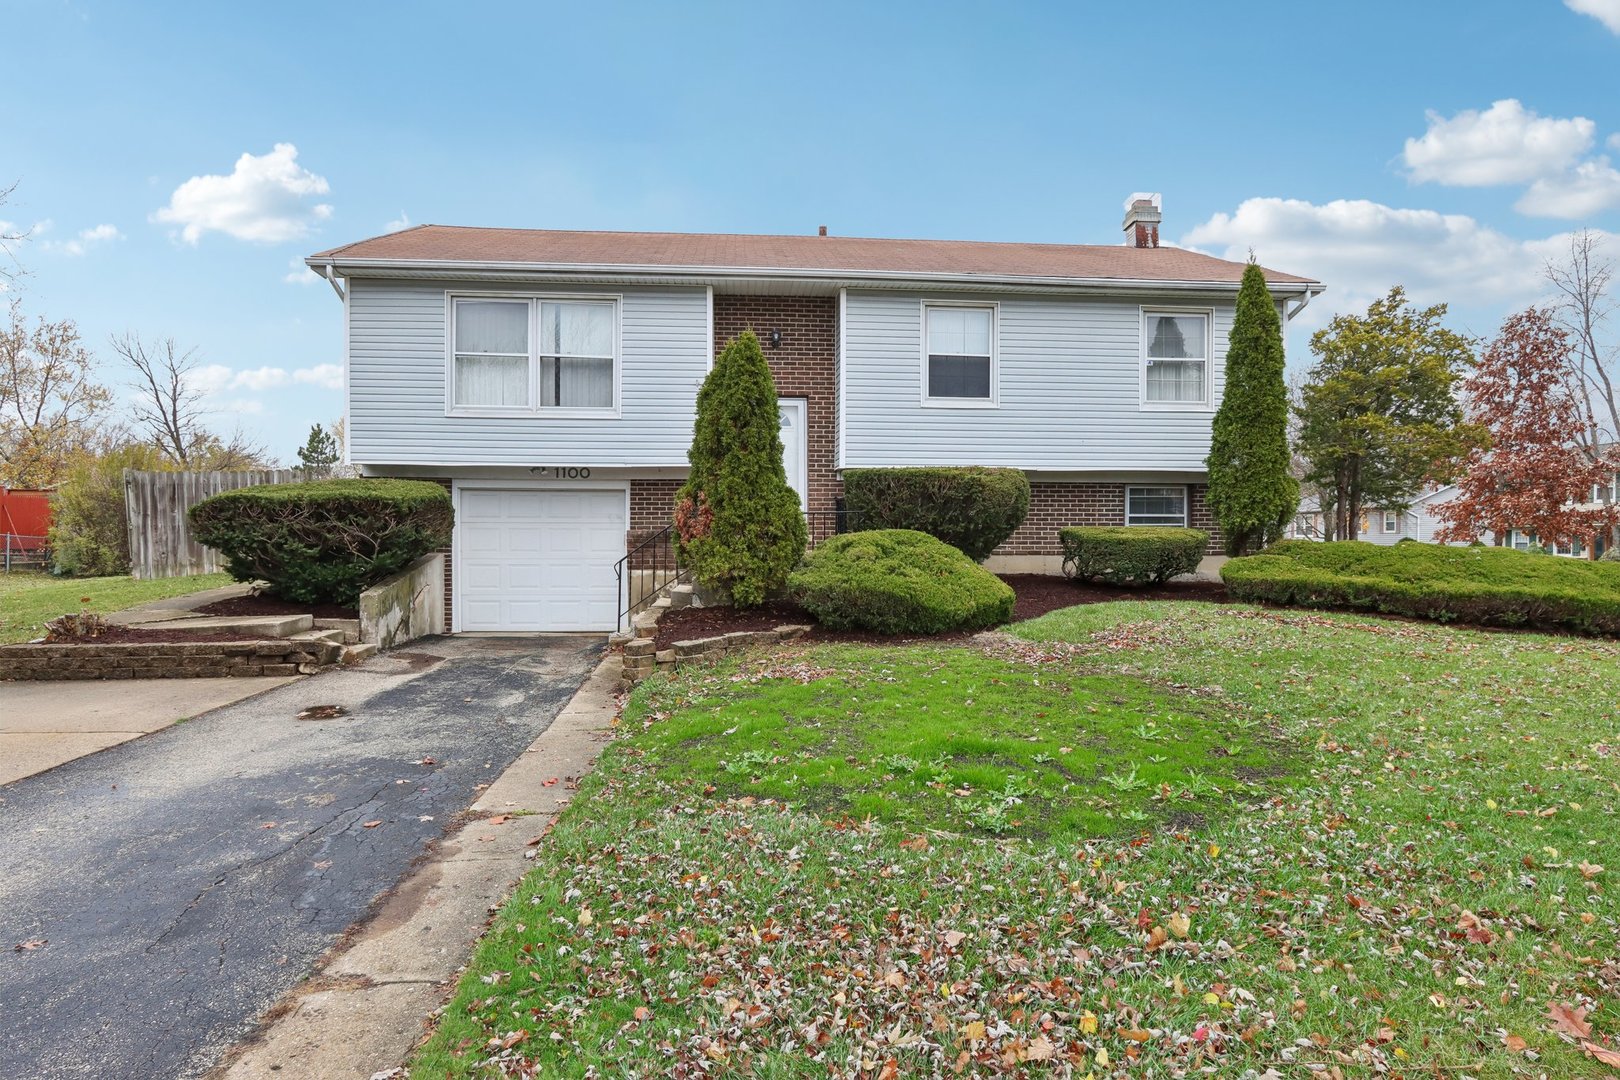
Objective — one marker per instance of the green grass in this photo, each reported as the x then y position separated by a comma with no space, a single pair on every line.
1405,894
29,600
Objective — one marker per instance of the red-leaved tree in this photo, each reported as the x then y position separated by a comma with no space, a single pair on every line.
1535,475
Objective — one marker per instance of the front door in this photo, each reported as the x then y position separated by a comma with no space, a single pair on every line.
791,412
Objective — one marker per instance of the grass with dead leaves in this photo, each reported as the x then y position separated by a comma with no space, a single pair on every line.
1391,867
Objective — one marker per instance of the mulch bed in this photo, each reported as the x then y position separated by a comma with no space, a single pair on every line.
132,635
271,605
1036,595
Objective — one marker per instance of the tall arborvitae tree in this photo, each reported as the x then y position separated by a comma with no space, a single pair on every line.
741,531
1252,492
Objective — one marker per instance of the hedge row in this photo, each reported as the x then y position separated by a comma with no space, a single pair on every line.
973,509
1130,554
1480,585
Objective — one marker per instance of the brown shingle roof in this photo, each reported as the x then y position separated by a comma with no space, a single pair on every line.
829,254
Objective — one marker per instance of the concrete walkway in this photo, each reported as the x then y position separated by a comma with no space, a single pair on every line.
46,724
157,898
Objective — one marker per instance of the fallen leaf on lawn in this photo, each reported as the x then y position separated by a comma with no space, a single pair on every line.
1180,925
1156,938
585,916
974,1032
953,938
513,1039
891,1069
1140,1035
1569,1019
1088,1023
1589,870
371,824
1513,1042
30,945
642,1012
1608,1057
1041,1049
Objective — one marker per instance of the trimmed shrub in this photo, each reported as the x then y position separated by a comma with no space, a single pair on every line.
1489,586
899,581
973,509
324,541
1130,554
737,521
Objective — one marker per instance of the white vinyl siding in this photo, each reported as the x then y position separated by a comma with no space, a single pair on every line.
1156,506
399,359
1069,389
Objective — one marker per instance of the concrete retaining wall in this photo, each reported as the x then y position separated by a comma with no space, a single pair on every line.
406,606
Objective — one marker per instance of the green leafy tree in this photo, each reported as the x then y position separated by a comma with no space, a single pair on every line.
738,522
89,532
1252,493
1378,413
320,452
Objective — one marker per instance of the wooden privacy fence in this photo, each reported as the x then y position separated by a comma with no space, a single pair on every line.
155,505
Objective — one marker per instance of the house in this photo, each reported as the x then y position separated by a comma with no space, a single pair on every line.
549,378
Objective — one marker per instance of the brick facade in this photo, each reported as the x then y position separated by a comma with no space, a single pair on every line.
652,506
1053,506
804,365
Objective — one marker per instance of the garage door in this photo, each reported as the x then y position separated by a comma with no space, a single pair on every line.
538,560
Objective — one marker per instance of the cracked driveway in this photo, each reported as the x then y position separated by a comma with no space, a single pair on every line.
185,881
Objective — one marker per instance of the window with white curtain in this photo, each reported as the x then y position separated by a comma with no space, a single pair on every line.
533,354
960,349
1156,506
1175,356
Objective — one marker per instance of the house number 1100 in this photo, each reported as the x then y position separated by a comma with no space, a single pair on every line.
570,472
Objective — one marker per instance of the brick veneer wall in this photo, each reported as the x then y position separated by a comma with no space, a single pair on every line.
652,506
804,365
1053,506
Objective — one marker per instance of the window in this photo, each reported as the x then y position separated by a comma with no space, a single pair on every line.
1175,358
1156,506
529,355
1392,521
960,366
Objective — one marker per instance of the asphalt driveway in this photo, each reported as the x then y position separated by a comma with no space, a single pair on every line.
157,897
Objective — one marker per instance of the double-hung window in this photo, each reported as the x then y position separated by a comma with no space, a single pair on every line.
1392,521
959,354
533,355
1156,506
1175,358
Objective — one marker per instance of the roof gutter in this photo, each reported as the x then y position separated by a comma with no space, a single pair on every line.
445,267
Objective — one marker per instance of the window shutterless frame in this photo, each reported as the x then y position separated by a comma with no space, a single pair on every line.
1159,491
1146,339
533,408
1392,521
991,402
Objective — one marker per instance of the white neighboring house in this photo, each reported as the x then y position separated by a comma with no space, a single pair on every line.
549,380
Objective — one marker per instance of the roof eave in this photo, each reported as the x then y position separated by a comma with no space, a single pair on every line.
701,274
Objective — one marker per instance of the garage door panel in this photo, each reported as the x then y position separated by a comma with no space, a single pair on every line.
540,559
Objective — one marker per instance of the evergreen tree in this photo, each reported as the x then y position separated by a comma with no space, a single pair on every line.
320,452
1252,493
739,525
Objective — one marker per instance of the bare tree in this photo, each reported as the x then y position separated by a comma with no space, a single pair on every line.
1584,281
51,405
9,239
171,408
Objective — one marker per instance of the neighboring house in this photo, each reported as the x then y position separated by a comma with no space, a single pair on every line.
549,379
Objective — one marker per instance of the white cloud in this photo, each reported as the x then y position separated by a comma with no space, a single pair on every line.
299,274
326,376
1361,248
84,241
265,199
1505,144
1614,141
401,222
263,378
1588,188
210,379
1606,12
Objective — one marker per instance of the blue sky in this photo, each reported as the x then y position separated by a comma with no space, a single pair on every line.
1286,130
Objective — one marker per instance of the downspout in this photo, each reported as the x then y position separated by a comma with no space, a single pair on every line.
332,280
1288,316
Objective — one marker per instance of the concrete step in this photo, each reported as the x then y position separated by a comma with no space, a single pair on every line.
350,628
335,636
358,654
249,626
680,596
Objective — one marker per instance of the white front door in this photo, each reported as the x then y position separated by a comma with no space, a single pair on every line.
538,558
791,412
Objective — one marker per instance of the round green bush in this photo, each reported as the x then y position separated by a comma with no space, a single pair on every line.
325,541
899,581
973,509
1130,554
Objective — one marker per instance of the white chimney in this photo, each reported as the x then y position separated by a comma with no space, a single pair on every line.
1142,217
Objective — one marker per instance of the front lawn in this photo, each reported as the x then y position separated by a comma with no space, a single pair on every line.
29,600
1232,841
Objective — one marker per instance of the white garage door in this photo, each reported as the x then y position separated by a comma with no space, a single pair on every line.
538,560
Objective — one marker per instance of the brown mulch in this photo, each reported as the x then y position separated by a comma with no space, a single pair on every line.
272,605
134,635
1036,595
